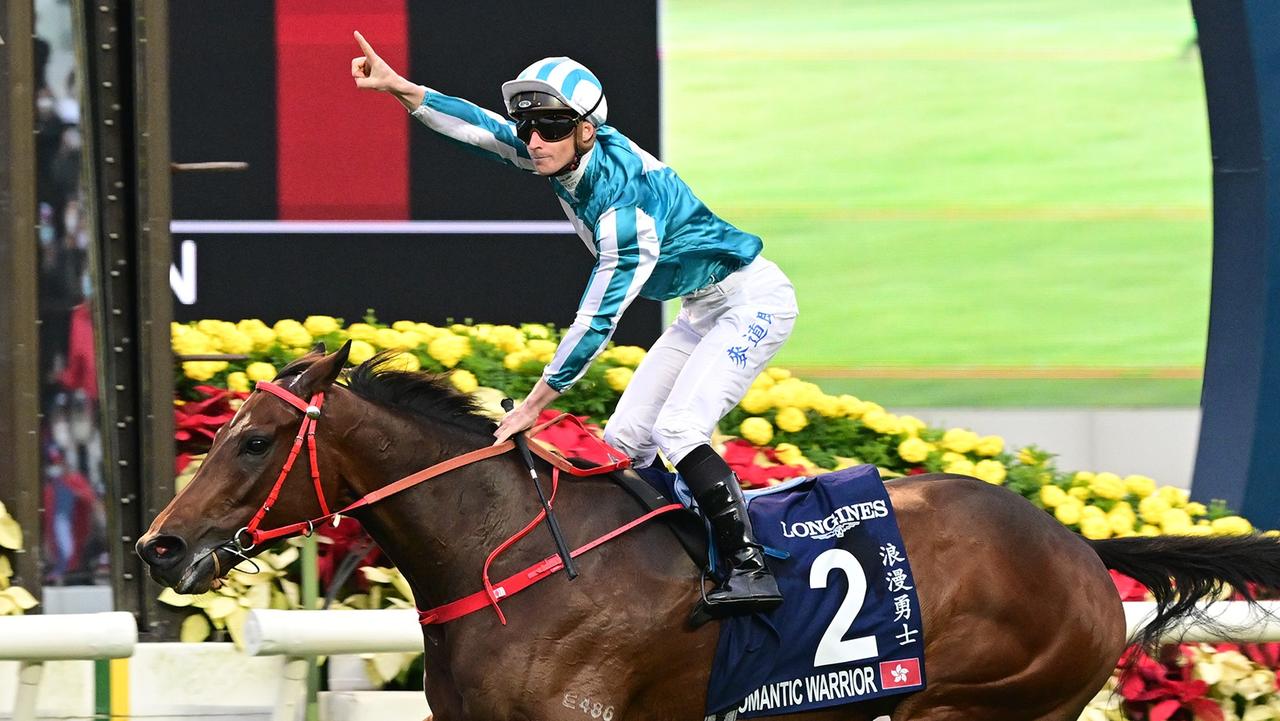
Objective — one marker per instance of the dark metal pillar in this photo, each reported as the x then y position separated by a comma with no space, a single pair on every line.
127,123
19,381
1239,454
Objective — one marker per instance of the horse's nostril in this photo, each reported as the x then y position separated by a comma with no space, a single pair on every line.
162,551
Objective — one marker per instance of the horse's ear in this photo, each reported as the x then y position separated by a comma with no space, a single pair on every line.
319,348
321,374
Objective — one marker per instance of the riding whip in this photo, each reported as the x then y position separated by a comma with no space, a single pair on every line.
561,547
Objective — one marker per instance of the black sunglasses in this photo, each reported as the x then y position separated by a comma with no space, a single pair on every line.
550,127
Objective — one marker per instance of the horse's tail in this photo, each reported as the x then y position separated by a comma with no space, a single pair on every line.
1182,570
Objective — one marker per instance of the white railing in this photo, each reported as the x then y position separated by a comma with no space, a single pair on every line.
303,635
1230,621
33,640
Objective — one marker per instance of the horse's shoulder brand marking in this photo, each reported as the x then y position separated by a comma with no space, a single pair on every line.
590,707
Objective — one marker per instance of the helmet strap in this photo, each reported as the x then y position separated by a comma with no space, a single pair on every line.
580,148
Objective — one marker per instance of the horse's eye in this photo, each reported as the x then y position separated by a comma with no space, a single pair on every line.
257,446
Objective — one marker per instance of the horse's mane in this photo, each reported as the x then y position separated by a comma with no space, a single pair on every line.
428,395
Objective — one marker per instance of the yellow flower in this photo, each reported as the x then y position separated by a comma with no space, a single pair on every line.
959,440
1068,513
755,401
449,349
756,431
535,330
991,471
827,406
203,370
321,325
387,338
404,361
763,382
291,333
260,371
1052,496
914,450
851,406
1091,511
1108,485
1231,526
1080,492
794,392
790,455
186,340
360,352
1195,509
1082,478
258,332
234,341
464,380
618,378
1176,497
506,337
778,374
1028,457
1095,528
1140,486
882,422
404,325
543,350
238,382
962,466
1121,519
513,361
1175,520
1152,508
627,355
791,419
1148,530
362,331
989,446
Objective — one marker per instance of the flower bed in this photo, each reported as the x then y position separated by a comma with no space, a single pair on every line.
14,600
784,427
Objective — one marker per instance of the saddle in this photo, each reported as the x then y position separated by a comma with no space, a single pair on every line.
687,526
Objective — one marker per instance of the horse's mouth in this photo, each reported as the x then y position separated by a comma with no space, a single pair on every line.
201,575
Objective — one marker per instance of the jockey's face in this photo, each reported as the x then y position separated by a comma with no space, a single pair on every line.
550,158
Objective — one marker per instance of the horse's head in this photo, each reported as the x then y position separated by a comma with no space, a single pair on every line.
199,535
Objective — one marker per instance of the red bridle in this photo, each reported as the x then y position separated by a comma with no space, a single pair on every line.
492,592
311,417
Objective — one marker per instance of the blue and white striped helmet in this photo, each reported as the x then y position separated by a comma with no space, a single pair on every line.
566,79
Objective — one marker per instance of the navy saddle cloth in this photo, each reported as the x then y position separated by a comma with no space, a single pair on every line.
849,628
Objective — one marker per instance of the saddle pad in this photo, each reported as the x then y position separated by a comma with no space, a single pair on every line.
849,628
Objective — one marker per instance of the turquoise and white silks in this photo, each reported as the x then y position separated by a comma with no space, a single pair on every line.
651,238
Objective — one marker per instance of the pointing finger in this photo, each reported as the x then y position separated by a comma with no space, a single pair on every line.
365,46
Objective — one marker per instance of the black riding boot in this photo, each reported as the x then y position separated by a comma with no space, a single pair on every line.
750,586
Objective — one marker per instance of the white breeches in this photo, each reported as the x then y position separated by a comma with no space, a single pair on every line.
703,364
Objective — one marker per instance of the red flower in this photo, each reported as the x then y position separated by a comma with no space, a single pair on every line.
1159,691
1130,590
741,457
196,422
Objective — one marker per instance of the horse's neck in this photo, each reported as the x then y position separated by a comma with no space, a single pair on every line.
439,532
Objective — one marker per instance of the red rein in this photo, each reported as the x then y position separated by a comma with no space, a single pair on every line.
489,596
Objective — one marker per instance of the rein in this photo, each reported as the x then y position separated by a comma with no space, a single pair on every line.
311,412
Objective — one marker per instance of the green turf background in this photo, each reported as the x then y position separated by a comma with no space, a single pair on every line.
960,183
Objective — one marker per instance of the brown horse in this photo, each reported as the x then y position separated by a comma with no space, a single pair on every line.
1021,618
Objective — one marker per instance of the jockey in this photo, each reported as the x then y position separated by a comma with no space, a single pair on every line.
651,238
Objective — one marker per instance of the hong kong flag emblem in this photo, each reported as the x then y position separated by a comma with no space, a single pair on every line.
900,674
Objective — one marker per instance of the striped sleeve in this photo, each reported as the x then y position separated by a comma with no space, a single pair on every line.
627,239
477,129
